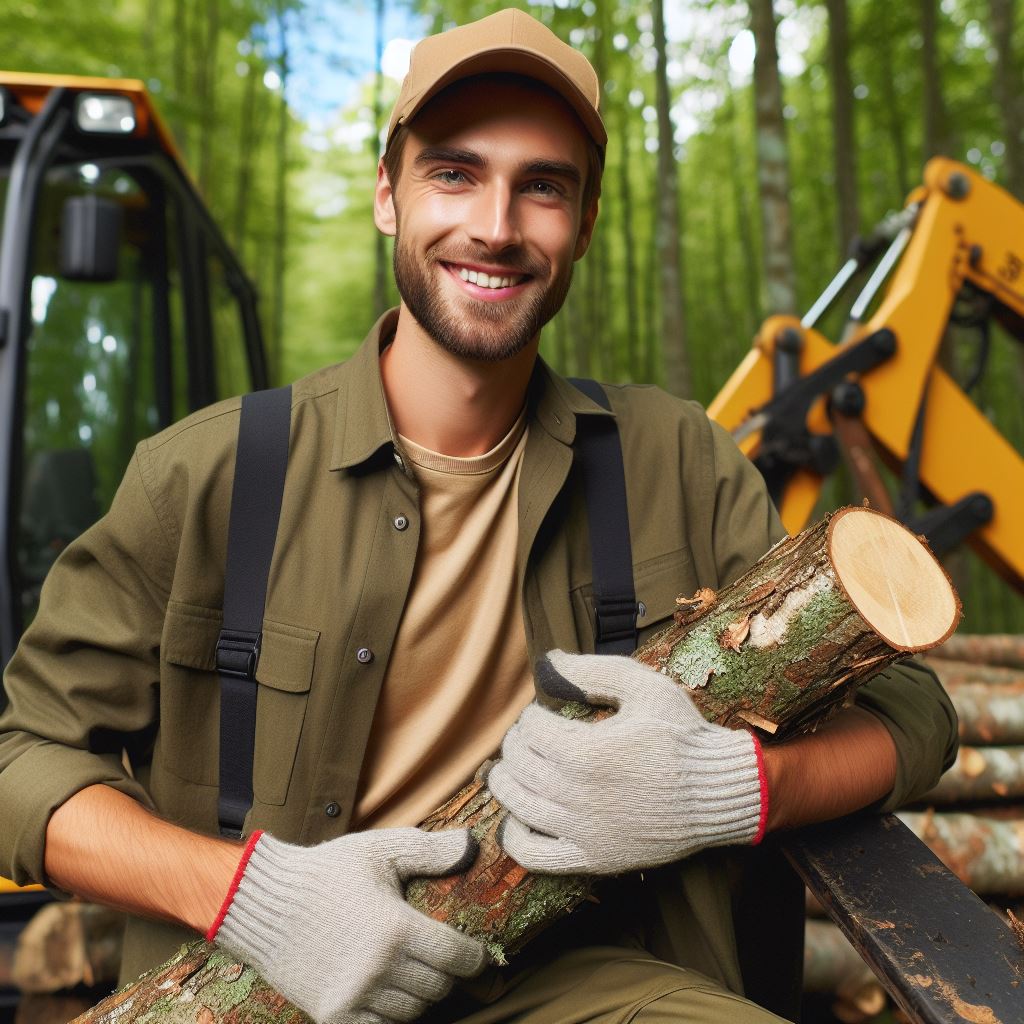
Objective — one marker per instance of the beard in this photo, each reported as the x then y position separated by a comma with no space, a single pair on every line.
486,331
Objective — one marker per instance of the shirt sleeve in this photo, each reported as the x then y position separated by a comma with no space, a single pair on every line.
82,687
906,698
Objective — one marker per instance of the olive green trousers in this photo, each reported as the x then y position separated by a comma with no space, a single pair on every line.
604,985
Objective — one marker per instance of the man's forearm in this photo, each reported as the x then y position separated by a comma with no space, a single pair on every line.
848,763
104,846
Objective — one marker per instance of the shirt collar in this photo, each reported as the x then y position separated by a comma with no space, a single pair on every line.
363,426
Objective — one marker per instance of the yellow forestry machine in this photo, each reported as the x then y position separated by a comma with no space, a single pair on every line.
800,403
122,308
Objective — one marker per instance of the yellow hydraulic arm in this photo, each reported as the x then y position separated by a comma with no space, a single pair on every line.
957,230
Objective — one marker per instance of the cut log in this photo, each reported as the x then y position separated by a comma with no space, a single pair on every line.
832,966
985,854
1003,649
780,649
989,715
981,773
958,673
66,945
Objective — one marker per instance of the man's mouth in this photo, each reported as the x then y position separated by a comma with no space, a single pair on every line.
483,279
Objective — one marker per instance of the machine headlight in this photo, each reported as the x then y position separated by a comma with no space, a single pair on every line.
105,114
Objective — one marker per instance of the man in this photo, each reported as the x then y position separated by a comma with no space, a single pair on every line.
432,543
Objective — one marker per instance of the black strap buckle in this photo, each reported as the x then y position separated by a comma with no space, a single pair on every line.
615,619
238,653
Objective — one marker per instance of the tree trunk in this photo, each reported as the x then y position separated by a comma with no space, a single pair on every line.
380,252
780,649
280,205
772,163
743,220
634,364
207,95
985,854
938,137
893,116
844,141
981,773
1006,84
668,230
248,145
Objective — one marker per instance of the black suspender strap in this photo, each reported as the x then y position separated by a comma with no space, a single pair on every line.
599,450
256,494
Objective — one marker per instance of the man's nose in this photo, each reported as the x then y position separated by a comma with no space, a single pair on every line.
495,218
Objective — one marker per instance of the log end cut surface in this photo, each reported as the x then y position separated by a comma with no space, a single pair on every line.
892,579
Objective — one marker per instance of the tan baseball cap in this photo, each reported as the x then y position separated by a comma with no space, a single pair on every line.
512,42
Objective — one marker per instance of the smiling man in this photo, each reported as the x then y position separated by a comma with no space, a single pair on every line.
432,546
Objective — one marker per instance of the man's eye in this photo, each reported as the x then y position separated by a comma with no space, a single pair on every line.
450,177
544,188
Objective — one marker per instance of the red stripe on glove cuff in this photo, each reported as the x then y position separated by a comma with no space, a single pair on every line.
762,778
235,882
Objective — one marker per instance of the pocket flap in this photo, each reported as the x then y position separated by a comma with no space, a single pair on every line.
287,654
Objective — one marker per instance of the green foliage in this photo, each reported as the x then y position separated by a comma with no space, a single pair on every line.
206,61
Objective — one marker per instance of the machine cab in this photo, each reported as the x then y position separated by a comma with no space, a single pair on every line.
122,309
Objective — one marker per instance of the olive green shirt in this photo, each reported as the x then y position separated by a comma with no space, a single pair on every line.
118,666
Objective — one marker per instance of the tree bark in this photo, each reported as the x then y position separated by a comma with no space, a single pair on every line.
772,163
668,230
779,649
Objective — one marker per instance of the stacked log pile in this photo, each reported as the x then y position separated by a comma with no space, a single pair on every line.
973,820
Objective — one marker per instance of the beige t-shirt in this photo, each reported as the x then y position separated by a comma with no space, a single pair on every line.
459,674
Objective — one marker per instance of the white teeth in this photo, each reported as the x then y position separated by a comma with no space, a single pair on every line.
482,280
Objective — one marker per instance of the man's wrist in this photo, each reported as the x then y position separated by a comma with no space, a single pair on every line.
228,893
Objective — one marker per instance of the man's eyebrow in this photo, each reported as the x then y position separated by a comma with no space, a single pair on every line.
448,155
554,168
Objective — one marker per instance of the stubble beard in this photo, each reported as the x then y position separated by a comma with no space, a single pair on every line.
490,331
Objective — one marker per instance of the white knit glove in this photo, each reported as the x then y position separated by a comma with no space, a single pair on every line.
653,783
329,928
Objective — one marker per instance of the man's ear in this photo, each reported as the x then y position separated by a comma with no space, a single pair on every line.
586,231
384,203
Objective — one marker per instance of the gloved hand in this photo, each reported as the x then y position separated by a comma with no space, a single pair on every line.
328,925
653,783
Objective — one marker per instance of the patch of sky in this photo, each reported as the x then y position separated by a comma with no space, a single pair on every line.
43,289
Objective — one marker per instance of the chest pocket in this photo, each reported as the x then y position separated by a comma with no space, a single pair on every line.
189,739
658,582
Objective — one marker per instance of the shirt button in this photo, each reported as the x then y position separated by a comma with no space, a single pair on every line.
364,655
401,522
398,459
332,810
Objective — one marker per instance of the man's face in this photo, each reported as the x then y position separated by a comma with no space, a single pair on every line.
486,215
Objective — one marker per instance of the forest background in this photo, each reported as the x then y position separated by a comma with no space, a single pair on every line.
749,144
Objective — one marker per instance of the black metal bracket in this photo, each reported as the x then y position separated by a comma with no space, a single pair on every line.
941,953
945,526
786,443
